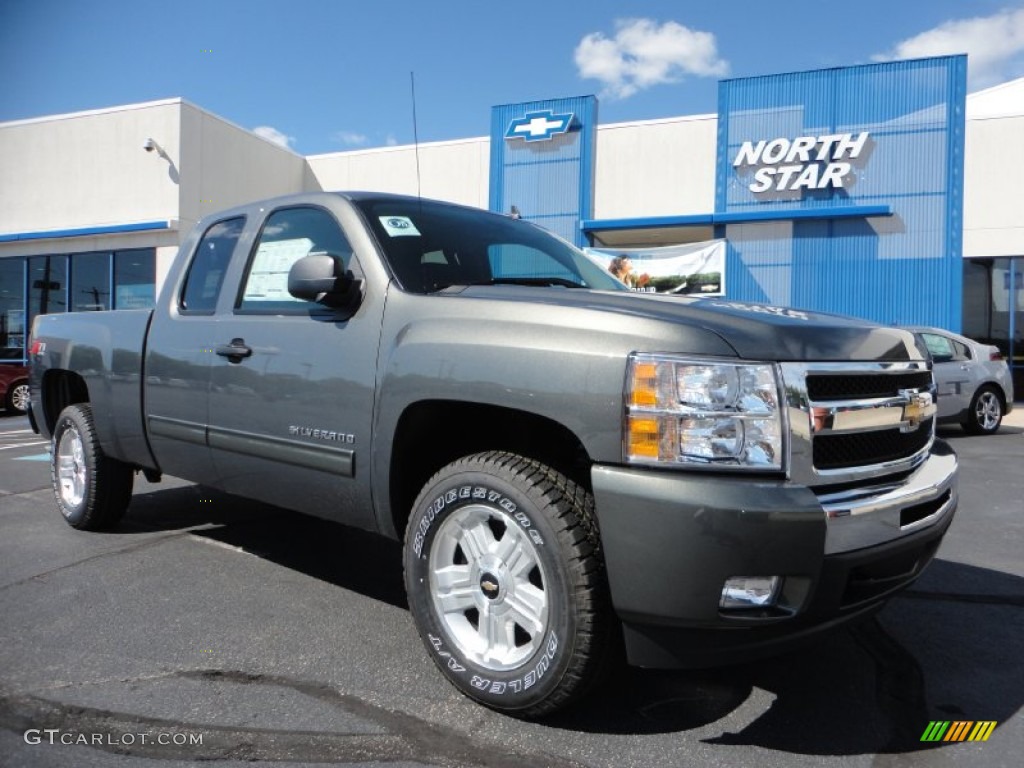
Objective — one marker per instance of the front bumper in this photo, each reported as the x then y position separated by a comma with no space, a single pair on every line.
672,539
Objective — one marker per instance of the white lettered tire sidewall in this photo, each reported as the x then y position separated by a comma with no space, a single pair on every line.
537,677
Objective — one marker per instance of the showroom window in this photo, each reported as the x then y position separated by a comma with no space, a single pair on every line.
78,282
47,285
90,281
12,309
134,278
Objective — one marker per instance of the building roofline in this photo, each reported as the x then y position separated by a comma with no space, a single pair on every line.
94,112
398,147
236,126
659,121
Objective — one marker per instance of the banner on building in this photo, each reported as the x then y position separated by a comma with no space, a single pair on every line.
687,270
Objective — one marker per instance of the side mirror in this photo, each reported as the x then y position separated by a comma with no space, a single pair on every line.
319,277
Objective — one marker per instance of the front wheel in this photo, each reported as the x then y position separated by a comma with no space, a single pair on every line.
506,584
92,489
986,412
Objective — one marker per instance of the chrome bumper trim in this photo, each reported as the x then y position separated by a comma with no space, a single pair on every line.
866,517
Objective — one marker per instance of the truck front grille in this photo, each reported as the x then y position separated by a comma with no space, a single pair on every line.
852,421
859,449
825,388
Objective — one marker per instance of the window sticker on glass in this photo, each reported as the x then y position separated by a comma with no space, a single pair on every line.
268,278
399,226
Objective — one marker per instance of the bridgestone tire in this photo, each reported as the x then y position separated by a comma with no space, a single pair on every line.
986,412
506,583
92,490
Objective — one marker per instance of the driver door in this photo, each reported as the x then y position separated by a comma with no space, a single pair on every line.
292,382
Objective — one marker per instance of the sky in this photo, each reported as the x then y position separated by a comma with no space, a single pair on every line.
330,75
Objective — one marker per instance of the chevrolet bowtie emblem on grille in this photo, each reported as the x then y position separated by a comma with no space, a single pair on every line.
918,409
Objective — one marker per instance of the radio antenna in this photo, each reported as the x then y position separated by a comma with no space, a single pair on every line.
415,135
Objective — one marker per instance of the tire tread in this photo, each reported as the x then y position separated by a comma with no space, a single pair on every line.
110,487
575,522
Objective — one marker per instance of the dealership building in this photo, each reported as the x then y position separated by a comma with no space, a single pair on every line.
883,191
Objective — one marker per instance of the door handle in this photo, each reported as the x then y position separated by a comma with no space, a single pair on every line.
235,352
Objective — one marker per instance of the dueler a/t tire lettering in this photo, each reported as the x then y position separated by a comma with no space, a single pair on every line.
506,584
92,490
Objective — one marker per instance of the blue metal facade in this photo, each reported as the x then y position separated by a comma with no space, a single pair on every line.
546,173
903,127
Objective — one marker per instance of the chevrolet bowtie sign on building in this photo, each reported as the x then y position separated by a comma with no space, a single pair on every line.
542,162
539,126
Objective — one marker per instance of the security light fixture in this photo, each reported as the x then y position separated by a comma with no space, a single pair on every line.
151,145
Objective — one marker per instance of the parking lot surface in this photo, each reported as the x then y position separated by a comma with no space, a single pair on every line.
206,627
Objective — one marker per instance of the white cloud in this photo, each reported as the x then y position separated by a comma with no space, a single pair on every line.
274,135
643,54
391,141
350,138
994,46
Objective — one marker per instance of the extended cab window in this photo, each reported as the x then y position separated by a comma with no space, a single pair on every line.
287,236
209,264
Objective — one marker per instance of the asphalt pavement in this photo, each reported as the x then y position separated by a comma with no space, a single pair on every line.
209,628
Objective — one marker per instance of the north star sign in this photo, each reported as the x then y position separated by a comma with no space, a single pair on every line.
806,162
539,126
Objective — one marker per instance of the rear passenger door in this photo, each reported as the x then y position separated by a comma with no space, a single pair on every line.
290,411
178,356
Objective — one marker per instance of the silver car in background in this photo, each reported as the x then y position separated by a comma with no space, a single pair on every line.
974,383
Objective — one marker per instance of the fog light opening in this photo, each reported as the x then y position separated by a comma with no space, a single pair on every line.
750,592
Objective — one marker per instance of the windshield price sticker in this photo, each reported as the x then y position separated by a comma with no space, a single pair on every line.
399,226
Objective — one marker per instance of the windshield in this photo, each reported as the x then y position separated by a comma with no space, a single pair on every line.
431,246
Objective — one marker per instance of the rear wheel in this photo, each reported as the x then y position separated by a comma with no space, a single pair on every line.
17,398
986,412
92,489
506,584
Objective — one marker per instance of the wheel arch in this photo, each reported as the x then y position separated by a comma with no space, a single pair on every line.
59,389
424,442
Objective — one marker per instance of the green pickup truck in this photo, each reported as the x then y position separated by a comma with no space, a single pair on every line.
579,472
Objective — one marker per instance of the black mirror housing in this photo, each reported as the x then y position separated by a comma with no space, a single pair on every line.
321,277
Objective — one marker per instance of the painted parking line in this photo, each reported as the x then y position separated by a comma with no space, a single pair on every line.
24,445
37,457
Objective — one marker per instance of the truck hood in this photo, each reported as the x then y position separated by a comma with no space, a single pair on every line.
754,331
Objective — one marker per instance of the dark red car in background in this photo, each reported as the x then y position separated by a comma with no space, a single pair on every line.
14,387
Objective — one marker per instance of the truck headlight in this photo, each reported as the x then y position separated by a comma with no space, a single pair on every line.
704,412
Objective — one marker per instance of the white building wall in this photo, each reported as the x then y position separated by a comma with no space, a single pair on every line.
89,169
224,165
456,171
656,168
993,167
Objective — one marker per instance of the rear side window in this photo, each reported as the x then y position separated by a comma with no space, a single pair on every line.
209,265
